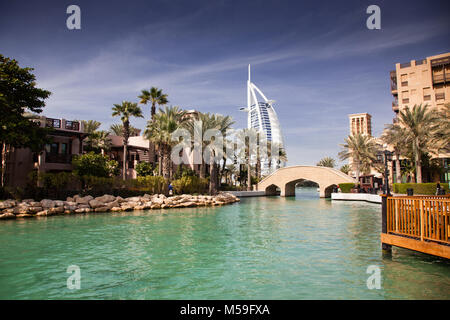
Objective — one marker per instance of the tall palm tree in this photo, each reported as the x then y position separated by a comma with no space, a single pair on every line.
362,149
159,131
419,130
327,162
125,111
442,130
394,136
155,97
117,130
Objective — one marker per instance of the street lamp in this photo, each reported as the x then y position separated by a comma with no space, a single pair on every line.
387,157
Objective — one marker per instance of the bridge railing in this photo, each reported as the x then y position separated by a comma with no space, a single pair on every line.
424,218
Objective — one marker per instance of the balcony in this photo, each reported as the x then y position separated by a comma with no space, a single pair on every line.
405,100
405,65
440,78
422,61
53,123
393,76
395,106
58,158
440,62
404,83
72,125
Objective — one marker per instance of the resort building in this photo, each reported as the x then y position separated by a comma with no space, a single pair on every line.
67,141
360,123
263,118
423,81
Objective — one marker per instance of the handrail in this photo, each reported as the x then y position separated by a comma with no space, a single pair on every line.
425,218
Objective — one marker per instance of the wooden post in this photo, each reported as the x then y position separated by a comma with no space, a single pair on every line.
421,220
384,246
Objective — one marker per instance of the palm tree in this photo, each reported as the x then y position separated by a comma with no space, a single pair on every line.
419,131
126,110
362,149
101,140
159,131
345,168
282,157
442,130
327,162
117,130
394,136
90,127
155,96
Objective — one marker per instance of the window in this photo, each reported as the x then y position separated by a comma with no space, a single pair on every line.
51,148
64,148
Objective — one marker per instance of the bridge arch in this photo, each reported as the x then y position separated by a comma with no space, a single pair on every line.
286,178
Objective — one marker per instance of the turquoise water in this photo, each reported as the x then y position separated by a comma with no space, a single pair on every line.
261,248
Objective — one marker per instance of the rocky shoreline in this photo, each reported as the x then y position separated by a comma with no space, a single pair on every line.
28,208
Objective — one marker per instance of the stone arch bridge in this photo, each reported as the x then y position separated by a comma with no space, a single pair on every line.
286,178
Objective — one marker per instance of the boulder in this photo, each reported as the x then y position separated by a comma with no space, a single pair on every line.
70,199
7,215
24,215
84,200
156,206
21,210
59,203
115,209
106,198
56,210
96,204
47,203
101,209
35,209
7,204
42,213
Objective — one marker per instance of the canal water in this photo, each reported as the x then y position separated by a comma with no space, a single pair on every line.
260,248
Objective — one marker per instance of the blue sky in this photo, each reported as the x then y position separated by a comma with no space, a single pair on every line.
317,59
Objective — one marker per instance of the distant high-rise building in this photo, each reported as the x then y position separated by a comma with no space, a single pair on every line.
262,117
360,123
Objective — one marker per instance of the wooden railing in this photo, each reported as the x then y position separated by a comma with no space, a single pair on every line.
420,217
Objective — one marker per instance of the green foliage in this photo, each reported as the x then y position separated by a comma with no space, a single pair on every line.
419,188
113,168
91,164
346,187
190,185
345,168
144,169
151,184
327,162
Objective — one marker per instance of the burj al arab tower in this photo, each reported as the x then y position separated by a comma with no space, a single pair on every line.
263,118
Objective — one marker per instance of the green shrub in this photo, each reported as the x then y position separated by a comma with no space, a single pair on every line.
151,184
346,187
144,169
190,185
419,188
91,164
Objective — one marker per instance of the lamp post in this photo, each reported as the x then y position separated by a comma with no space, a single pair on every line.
387,157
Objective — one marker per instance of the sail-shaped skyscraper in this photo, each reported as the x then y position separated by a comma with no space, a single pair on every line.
263,118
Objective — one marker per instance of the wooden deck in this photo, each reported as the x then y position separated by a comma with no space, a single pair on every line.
420,223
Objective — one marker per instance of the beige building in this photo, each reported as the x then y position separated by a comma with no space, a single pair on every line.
360,123
421,81
66,138
424,81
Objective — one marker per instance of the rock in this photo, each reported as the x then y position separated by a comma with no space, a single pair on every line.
146,197
7,204
140,207
35,204
133,199
46,203
27,200
7,215
42,213
59,203
113,204
21,210
96,204
56,210
83,200
155,206
158,201
126,207
70,199
106,198
35,209
116,209
101,209
133,204
120,199
24,215
80,210
83,206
